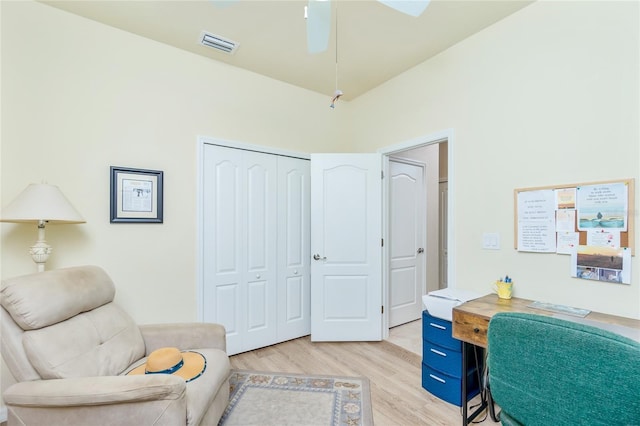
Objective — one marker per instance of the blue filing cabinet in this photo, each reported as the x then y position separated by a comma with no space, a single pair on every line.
442,367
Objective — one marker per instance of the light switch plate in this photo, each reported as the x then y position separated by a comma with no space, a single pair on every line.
491,241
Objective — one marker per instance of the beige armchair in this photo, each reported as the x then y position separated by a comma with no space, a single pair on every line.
69,347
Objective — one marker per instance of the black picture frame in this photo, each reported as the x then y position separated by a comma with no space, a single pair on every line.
136,195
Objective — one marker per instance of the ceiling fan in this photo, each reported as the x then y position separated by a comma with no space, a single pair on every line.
317,13
318,16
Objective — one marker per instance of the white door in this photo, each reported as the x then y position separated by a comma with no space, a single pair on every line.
239,245
294,245
346,247
261,246
407,257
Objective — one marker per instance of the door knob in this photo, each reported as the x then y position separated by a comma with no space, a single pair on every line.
420,250
317,257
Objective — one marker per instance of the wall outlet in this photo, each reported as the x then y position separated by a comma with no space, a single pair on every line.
491,241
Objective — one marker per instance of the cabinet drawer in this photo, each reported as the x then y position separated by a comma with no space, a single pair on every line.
449,388
438,331
443,359
470,328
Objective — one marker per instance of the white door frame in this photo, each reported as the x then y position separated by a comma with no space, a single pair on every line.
446,135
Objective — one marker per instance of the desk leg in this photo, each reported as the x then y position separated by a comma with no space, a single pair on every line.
468,419
464,383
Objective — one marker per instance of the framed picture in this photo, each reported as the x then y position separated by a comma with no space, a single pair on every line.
136,195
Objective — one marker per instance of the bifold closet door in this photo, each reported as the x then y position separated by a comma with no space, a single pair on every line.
294,248
240,245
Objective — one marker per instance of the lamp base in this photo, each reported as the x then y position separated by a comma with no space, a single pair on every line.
40,252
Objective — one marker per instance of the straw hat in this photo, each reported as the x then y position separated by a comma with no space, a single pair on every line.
188,365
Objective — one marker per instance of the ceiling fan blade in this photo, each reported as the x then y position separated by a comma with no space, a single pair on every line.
318,25
408,7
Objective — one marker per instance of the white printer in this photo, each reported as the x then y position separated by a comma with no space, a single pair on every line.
440,303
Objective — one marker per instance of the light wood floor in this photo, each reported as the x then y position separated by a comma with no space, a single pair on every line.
408,336
395,376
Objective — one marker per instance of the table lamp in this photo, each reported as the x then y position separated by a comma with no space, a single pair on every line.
41,203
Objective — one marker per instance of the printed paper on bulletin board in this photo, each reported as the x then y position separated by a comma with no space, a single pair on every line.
549,216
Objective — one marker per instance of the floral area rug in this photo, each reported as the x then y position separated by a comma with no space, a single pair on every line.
259,398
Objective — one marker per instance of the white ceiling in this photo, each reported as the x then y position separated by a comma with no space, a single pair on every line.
375,42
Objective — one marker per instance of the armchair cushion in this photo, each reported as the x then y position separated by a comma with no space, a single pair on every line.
124,401
199,395
91,391
183,335
39,300
102,342
71,327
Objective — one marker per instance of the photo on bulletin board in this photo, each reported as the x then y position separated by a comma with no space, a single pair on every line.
602,205
606,264
565,198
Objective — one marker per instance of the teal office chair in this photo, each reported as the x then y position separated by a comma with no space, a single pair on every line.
548,371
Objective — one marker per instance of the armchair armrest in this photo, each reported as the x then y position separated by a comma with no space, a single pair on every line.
184,336
91,391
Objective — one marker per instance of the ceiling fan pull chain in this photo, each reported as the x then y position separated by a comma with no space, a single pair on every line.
337,93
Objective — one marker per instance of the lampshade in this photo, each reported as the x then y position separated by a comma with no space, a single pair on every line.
41,202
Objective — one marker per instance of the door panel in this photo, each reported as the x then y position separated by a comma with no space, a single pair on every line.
294,302
226,183
346,235
294,280
345,192
403,295
260,233
260,257
407,245
223,233
349,294
239,222
227,301
257,312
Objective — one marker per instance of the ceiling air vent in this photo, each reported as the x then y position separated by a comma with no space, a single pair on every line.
217,42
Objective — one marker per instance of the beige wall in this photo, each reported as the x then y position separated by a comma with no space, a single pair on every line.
532,101
79,97
547,96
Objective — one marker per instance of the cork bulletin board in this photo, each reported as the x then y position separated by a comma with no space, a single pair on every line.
594,194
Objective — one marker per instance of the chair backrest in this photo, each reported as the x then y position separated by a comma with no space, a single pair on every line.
545,370
63,323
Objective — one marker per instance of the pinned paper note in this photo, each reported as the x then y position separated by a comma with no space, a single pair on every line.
603,238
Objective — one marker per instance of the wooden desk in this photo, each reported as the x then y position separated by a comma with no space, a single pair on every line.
471,319
471,322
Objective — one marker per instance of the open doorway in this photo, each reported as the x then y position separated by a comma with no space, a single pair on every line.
434,153
407,236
